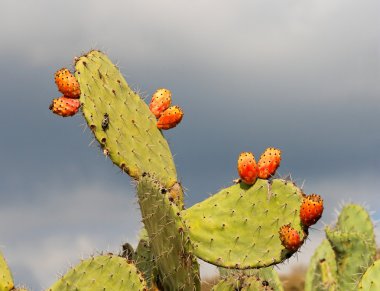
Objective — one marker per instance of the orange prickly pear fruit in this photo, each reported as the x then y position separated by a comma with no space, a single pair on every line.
161,100
67,84
170,118
290,238
311,209
269,162
247,168
64,106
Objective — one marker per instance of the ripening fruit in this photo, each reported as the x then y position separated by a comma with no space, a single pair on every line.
247,168
290,238
161,100
64,106
67,84
170,118
311,209
269,162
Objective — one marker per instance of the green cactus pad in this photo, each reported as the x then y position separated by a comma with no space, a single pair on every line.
353,241
6,280
353,255
231,283
145,262
244,282
238,227
354,218
265,274
121,121
168,240
371,278
322,272
106,272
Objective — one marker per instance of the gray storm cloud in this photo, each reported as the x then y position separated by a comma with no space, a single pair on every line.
302,76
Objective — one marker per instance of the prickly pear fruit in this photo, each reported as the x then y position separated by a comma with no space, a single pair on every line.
170,118
290,238
247,168
311,209
67,84
269,162
64,106
161,100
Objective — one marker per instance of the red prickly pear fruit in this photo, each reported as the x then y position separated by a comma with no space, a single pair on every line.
67,84
161,100
64,106
170,118
290,238
311,209
247,168
269,162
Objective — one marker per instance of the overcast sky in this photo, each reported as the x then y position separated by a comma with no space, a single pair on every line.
303,76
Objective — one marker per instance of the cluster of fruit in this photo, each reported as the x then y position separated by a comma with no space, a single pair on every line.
249,170
68,85
312,205
167,116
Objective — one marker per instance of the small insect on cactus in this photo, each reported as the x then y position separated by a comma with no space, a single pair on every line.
255,223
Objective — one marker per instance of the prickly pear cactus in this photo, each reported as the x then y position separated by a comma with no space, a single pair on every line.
353,242
266,275
169,242
322,272
6,280
239,226
244,282
371,278
106,272
121,121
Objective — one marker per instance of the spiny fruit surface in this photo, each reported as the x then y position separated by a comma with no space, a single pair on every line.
161,100
170,118
67,84
311,209
290,238
247,168
269,162
64,106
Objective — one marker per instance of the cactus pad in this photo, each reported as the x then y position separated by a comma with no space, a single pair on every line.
6,280
353,242
371,278
238,227
168,240
130,137
353,256
322,273
106,272
244,282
